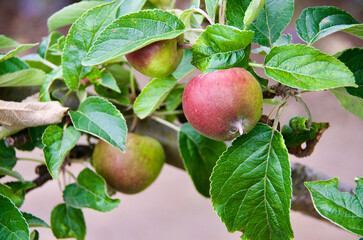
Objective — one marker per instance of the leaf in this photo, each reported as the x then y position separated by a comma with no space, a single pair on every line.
7,156
305,67
130,7
254,8
26,77
153,94
15,191
341,208
69,14
283,40
57,143
15,115
6,191
100,118
353,59
270,22
222,47
6,42
44,48
34,221
132,32
90,192
14,174
199,155
44,95
251,186
349,102
191,19
211,7
12,224
108,81
185,67
80,38
34,235
315,23
12,65
68,222
120,98
17,50
174,98
36,61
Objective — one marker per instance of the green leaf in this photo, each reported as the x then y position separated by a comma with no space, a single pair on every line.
26,77
34,235
349,102
283,40
185,67
191,19
69,14
80,38
129,7
12,224
270,22
17,50
68,222
14,174
251,186
211,7
7,156
44,95
222,47
353,59
297,132
90,192
199,155
132,32
254,8
34,221
12,65
6,191
15,191
6,42
341,208
100,118
153,94
315,23
57,143
36,61
108,81
44,48
121,98
305,67
174,98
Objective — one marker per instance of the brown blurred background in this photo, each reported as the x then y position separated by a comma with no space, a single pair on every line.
171,208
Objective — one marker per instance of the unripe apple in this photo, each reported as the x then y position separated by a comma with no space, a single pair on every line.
159,59
223,104
135,169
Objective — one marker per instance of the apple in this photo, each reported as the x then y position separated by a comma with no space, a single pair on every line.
159,59
223,104
135,169
160,2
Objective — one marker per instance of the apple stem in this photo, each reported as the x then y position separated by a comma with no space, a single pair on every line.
166,123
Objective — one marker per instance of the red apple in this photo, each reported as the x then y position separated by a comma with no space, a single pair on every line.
134,170
159,59
223,104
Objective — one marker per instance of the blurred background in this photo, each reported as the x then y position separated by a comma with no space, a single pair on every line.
171,208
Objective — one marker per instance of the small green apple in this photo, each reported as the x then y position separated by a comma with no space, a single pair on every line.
159,59
135,169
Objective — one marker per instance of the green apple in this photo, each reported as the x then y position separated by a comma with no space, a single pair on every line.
159,59
135,169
